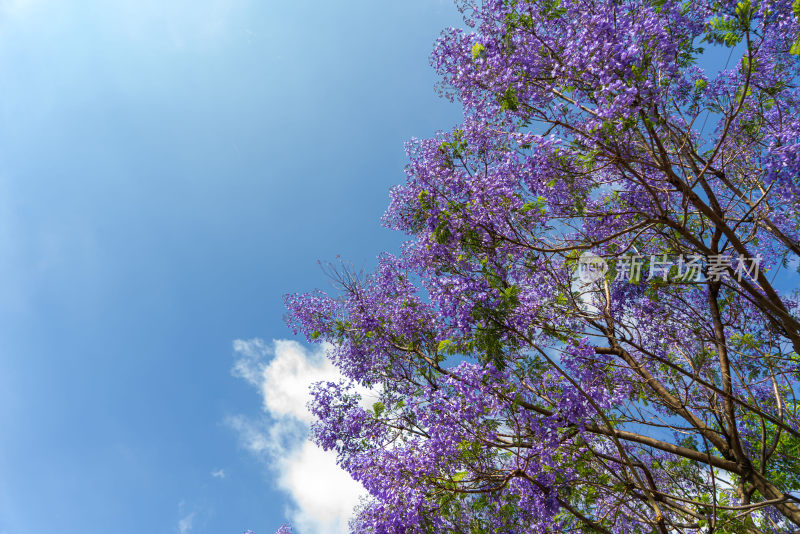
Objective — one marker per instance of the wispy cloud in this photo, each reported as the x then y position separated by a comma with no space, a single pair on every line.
181,23
219,473
323,495
178,24
185,524
15,7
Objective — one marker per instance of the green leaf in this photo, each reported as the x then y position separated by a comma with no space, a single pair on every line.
795,49
509,101
538,204
446,347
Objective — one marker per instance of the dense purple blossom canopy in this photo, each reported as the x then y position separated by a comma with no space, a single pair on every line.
516,395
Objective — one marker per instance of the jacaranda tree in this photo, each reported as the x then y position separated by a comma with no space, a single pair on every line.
590,328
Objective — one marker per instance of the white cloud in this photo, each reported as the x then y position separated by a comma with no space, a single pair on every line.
322,494
219,473
185,524
284,382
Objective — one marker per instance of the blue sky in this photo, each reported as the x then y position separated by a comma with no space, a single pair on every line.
168,170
